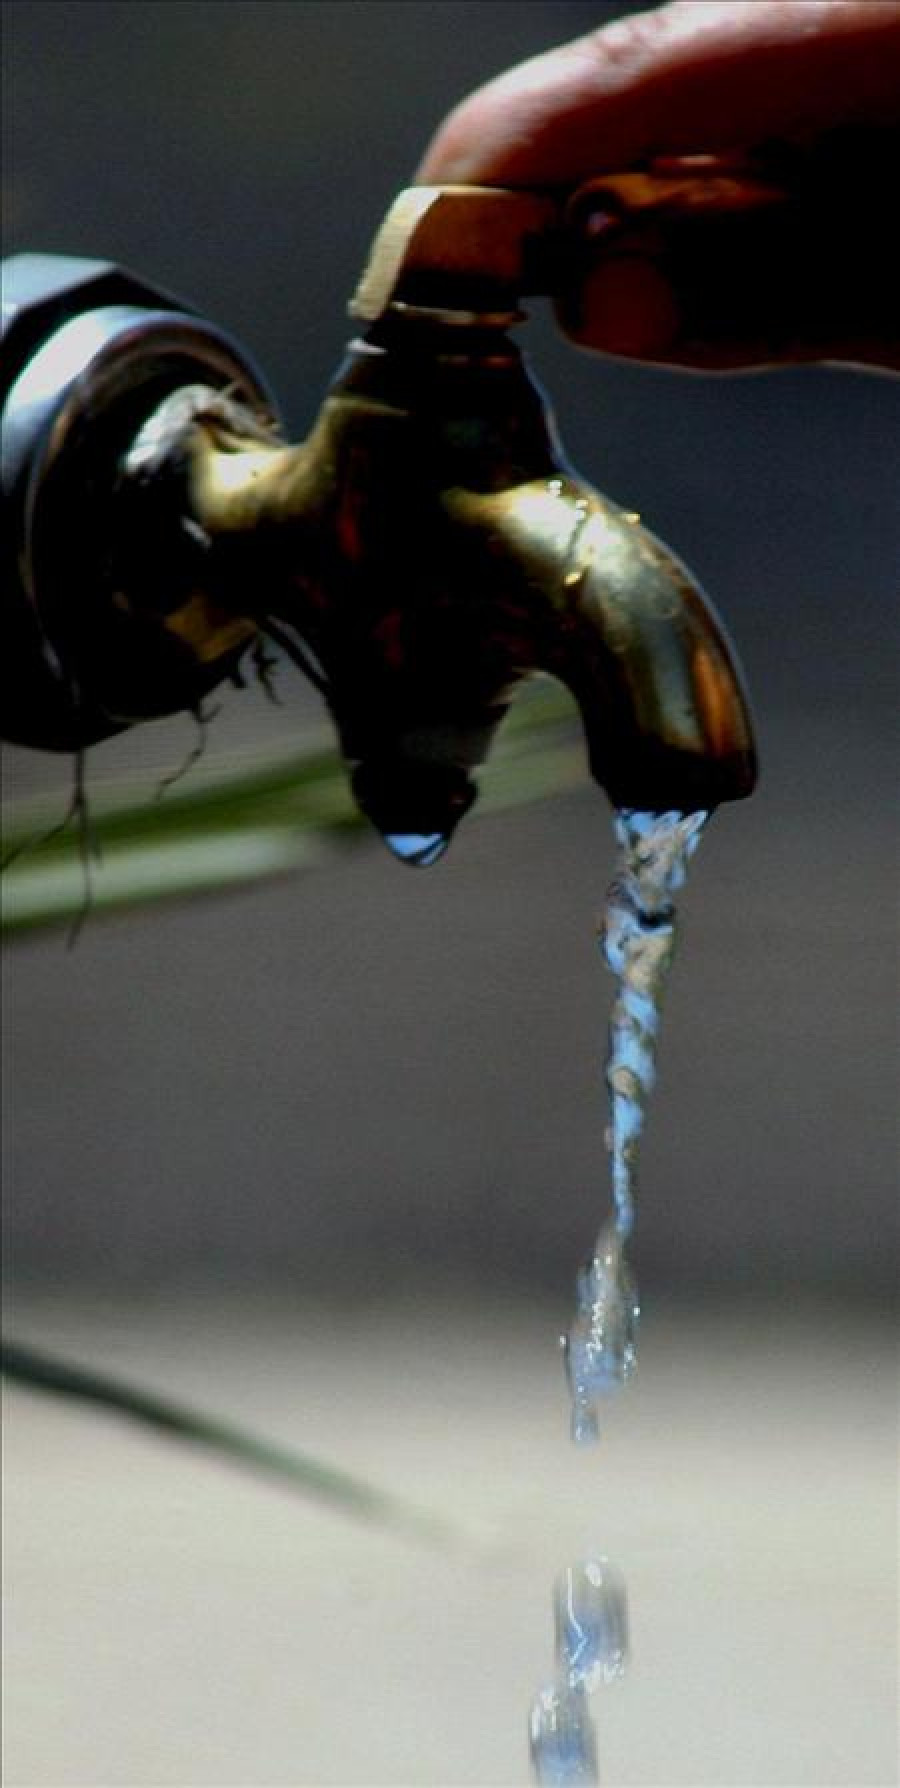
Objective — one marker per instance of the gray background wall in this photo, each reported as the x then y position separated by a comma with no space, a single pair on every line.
362,1074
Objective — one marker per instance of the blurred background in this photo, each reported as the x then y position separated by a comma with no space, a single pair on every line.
325,1152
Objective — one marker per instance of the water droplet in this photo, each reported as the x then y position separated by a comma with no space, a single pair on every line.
591,1624
563,1741
418,848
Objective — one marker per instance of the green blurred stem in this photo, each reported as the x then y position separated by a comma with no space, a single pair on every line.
234,828
296,1471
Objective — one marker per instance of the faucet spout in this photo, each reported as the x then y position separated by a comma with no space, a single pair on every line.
431,548
428,547
622,623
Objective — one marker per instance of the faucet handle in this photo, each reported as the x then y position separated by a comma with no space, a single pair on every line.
437,243
448,248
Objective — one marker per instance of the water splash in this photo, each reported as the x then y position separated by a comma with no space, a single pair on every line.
638,941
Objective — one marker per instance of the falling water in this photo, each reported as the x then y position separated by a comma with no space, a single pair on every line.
638,939
591,1648
591,1623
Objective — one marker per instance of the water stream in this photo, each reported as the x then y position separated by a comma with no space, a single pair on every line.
638,940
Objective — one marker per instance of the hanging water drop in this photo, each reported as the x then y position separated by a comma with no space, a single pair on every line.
419,848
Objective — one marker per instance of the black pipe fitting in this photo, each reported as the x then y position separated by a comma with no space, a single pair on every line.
89,353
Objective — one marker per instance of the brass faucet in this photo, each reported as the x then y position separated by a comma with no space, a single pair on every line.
427,546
